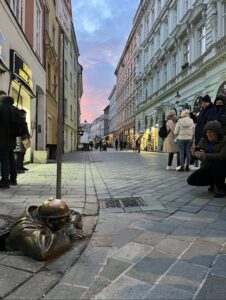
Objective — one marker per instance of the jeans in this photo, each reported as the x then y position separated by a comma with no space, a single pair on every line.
4,159
213,175
185,149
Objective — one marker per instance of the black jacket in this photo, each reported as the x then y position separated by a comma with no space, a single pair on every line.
201,122
4,128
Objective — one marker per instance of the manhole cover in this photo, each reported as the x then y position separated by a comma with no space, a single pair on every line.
122,202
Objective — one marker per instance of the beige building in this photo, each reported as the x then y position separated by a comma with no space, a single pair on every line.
51,45
72,92
125,94
22,73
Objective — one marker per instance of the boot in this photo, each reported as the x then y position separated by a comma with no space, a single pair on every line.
181,169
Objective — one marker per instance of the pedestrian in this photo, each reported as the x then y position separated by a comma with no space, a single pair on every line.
169,146
125,145
91,145
121,145
138,144
21,146
194,164
184,132
133,146
218,112
104,145
206,106
4,142
211,150
100,144
116,144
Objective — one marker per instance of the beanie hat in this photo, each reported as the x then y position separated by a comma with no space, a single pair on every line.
214,126
171,113
220,97
206,98
185,113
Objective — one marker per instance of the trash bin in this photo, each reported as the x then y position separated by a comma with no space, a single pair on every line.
52,149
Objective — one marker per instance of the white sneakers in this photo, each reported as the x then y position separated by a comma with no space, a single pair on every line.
193,168
178,168
170,168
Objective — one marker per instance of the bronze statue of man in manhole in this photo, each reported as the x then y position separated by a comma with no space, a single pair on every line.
43,232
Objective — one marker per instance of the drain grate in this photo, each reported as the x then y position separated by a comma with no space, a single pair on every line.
122,202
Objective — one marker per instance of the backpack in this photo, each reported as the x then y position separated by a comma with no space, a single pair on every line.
163,132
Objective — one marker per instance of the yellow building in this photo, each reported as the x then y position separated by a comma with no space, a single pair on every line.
51,32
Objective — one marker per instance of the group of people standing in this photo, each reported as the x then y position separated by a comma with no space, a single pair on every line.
202,137
13,134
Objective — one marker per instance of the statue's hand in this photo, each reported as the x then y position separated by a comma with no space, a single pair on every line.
73,233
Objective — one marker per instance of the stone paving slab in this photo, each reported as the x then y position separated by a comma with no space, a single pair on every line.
123,258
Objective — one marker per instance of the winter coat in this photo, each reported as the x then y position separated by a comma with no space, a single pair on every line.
218,151
185,129
218,113
168,145
4,127
201,121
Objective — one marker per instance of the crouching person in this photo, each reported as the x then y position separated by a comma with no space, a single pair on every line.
211,150
43,232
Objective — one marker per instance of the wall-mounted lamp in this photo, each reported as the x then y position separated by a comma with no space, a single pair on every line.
177,96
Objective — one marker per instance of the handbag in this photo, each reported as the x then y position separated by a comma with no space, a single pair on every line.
26,143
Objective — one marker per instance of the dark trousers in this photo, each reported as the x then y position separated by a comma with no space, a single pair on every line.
170,159
213,175
4,159
12,165
19,156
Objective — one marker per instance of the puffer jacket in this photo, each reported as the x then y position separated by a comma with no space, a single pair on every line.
185,129
218,152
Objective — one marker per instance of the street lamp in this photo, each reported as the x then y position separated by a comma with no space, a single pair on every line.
177,96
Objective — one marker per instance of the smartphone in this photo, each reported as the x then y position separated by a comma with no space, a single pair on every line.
198,149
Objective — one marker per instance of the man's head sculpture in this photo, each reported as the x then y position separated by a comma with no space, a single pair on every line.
55,213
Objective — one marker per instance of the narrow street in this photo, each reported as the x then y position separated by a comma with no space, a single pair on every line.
154,236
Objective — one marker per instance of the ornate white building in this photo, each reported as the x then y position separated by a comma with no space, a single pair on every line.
181,51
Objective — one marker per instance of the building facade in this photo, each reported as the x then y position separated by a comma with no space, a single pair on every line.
22,54
97,128
112,116
181,55
72,95
125,93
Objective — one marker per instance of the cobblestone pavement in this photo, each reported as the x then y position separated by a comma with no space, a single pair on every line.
171,246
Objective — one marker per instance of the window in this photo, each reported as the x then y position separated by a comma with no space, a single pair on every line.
146,122
38,29
71,80
165,73
174,65
224,17
202,40
71,113
165,29
65,108
47,19
186,52
174,16
17,7
49,78
54,36
65,69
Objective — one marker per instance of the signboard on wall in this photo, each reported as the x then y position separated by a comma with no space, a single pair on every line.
63,18
19,68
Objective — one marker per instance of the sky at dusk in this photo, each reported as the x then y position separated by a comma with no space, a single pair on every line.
102,28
